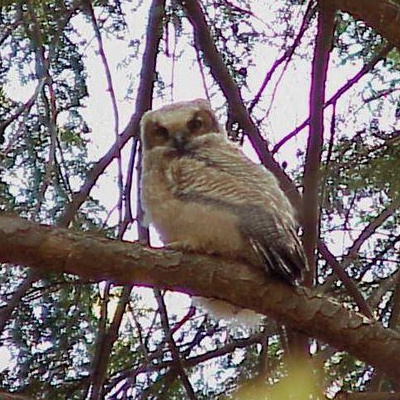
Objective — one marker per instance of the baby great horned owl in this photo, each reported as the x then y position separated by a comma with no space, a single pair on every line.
203,194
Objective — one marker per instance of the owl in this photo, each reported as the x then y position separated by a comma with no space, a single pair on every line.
203,194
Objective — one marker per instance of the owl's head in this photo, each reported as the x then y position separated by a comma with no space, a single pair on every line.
178,126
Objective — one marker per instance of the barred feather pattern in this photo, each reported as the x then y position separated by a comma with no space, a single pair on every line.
216,173
203,194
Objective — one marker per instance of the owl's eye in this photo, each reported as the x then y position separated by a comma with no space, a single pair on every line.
195,124
161,132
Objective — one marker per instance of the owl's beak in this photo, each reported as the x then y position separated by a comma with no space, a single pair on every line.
180,141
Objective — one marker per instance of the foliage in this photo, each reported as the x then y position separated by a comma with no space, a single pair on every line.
55,147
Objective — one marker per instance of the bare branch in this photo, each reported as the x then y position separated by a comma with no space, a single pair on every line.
143,102
382,15
349,84
350,286
113,97
176,358
370,229
6,311
311,179
218,69
105,345
286,56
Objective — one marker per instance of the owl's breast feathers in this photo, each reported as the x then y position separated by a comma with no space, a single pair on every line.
215,200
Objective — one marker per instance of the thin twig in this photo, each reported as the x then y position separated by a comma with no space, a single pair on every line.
287,55
23,108
219,71
350,83
172,346
143,102
111,91
105,345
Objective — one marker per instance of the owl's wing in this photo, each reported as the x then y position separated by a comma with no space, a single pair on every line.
277,244
223,177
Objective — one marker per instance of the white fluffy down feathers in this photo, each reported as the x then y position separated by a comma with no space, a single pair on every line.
203,194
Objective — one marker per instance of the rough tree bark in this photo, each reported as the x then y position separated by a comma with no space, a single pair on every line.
58,250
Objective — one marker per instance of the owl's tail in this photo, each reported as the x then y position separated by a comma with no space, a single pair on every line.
285,260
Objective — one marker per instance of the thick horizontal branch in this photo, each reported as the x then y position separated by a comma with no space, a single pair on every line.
59,250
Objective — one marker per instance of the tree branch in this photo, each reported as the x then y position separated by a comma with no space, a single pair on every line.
382,15
351,287
176,357
219,71
53,249
286,56
311,179
145,92
104,347
369,66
